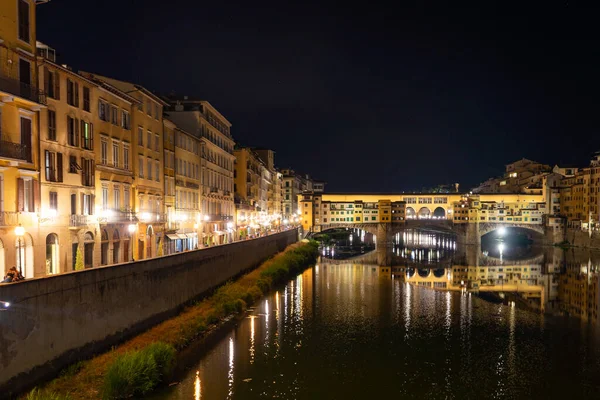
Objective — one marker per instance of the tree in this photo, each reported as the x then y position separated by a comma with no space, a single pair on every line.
79,260
160,249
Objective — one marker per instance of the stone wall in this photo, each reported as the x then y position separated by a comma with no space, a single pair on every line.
578,238
57,320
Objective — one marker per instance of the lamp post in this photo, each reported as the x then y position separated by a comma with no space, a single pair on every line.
19,232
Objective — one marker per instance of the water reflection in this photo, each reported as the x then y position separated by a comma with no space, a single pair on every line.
448,322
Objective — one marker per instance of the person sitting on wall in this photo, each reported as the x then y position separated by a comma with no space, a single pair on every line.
12,275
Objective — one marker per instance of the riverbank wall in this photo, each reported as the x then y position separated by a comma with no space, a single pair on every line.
55,321
579,238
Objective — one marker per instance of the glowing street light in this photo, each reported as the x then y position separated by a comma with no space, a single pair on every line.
501,231
131,228
207,218
19,232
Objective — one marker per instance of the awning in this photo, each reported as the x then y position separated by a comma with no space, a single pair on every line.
182,236
218,232
172,237
192,235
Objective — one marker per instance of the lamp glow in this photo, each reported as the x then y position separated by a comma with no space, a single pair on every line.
501,231
131,228
206,218
19,230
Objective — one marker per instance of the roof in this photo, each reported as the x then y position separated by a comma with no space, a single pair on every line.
126,87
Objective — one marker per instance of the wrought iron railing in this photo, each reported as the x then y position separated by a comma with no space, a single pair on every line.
79,220
17,151
22,90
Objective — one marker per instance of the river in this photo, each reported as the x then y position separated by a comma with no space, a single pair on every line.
507,321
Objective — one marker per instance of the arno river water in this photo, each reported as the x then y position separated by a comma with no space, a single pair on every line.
351,329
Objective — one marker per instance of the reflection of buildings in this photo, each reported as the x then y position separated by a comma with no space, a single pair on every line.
578,290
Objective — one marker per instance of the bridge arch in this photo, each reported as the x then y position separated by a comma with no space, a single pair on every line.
502,229
439,212
410,213
424,213
369,228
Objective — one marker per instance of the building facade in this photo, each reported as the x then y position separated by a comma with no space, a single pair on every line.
21,100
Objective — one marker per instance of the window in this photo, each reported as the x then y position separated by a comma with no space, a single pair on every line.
87,204
141,167
72,132
125,120
149,169
126,198
24,20
53,201
88,169
27,194
73,166
51,84
86,98
156,143
53,162
114,115
140,136
104,152
156,111
117,198
157,171
126,157
87,136
149,108
72,93
149,139
51,125
102,110
116,161
104,198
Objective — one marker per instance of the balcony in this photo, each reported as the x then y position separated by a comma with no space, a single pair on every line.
9,218
15,151
116,216
76,221
151,217
23,90
218,217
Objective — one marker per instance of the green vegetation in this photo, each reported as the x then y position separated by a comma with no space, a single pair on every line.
137,373
140,364
37,394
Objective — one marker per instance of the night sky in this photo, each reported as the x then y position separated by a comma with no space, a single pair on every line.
364,97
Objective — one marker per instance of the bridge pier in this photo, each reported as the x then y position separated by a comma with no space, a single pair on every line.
384,244
467,234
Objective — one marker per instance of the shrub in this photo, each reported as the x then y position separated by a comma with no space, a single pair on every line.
72,369
79,260
137,373
37,394
212,319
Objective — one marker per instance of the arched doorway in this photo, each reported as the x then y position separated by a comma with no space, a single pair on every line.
52,260
116,253
149,240
2,261
104,247
439,213
410,213
424,213
24,255
88,250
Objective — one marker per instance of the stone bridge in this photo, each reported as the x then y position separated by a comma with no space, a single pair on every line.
466,233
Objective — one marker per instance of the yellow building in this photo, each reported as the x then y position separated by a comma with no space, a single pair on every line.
69,147
251,200
326,209
147,161
20,102
200,118
172,223
187,192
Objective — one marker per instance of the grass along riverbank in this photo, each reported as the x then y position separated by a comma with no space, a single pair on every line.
139,365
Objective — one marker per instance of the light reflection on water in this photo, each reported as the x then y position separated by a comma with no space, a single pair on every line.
343,330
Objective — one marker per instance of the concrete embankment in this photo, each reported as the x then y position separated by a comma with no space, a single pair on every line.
55,321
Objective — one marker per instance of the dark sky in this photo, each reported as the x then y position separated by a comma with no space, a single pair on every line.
366,97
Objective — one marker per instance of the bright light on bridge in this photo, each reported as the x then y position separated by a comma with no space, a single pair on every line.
501,231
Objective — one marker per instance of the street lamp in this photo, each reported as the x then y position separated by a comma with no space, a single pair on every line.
19,232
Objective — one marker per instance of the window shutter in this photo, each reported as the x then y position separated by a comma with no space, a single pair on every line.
82,124
56,85
91,136
76,94
59,167
93,169
20,194
82,204
92,204
46,80
34,203
47,158
76,135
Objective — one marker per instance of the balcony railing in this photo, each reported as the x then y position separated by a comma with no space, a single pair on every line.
218,217
79,220
116,216
152,217
9,218
22,90
16,151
